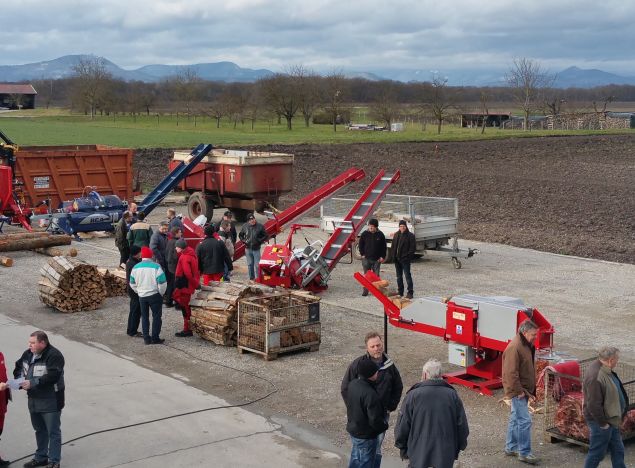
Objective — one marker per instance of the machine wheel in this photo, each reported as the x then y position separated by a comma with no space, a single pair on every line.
456,262
198,205
389,255
241,215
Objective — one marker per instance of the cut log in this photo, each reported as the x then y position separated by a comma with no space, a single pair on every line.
6,261
50,240
57,252
71,286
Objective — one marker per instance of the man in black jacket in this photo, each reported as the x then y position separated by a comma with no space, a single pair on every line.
404,246
432,426
253,234
388,383
372,248
213,257
42,368
228,216
134,314
365,416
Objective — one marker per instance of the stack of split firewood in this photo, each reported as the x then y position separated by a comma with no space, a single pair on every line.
215,307
69,285
383,286
115,281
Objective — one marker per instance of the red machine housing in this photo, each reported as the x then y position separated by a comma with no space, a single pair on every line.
461,323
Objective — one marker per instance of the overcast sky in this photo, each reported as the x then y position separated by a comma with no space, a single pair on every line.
325,35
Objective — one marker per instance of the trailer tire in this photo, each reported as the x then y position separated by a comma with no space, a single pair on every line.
389,255
198,205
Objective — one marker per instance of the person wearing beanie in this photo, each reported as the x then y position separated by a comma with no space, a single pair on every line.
5,396
187,279
404,246
388,383
148,280
372,248
134,315
213,256
365,415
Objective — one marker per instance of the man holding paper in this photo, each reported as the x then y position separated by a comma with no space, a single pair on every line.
42,368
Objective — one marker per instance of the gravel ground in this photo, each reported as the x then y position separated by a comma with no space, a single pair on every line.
590,303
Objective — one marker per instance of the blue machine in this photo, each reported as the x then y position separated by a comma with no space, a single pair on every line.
100,213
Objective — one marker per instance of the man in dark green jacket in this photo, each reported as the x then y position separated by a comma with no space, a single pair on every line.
140,232
605,404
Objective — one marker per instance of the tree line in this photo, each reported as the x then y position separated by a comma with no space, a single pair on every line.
300,94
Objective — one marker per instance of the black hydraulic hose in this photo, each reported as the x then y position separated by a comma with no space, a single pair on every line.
178,415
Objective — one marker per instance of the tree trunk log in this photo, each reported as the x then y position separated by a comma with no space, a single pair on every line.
55,252
9,245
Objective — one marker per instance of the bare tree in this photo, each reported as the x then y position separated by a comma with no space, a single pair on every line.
308,86
92,80
335,89
280,92
484,98
44,89
441,100
188,88
528,80
385,107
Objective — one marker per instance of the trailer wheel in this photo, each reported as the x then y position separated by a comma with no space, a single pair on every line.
456,262
389,255
198,205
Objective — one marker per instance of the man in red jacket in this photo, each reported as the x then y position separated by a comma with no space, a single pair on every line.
186,280
5,396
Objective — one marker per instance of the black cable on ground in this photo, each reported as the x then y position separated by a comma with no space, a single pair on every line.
142,423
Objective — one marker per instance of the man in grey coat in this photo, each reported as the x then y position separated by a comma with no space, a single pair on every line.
432,426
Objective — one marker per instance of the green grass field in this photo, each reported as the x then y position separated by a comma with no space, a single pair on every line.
40,128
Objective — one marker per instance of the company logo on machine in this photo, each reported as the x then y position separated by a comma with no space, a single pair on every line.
458,316
232,175
459,329
111,217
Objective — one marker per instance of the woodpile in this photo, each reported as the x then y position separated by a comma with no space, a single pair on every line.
214,310
71,286
115,281
31,240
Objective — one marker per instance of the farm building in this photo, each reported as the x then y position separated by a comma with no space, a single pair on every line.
476,120
17,96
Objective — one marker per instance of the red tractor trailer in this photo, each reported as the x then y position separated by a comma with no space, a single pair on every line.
242,181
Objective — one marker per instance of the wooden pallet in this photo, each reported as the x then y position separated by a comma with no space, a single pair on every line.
273,354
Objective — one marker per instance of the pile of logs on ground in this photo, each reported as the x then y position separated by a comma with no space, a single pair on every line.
71,286
214,310
115,281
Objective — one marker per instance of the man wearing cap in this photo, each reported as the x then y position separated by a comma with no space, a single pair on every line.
404,246
388,383
227,217
134,315
365,416
148,280
253,234
372,248
187,279
212,256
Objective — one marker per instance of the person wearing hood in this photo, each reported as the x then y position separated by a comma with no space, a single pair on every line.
187,279
213,257
365,416
388,383
432,426
404,246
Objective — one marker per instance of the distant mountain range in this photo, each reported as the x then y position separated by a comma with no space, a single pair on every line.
62,67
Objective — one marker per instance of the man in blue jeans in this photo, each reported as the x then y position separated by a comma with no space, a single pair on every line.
519,385
404,246
148,280
42,368
605,404
253,234
365,415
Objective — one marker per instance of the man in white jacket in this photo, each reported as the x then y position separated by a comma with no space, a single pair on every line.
148,280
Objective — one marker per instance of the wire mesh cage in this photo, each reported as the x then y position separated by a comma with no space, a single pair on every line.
279,323
563,400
